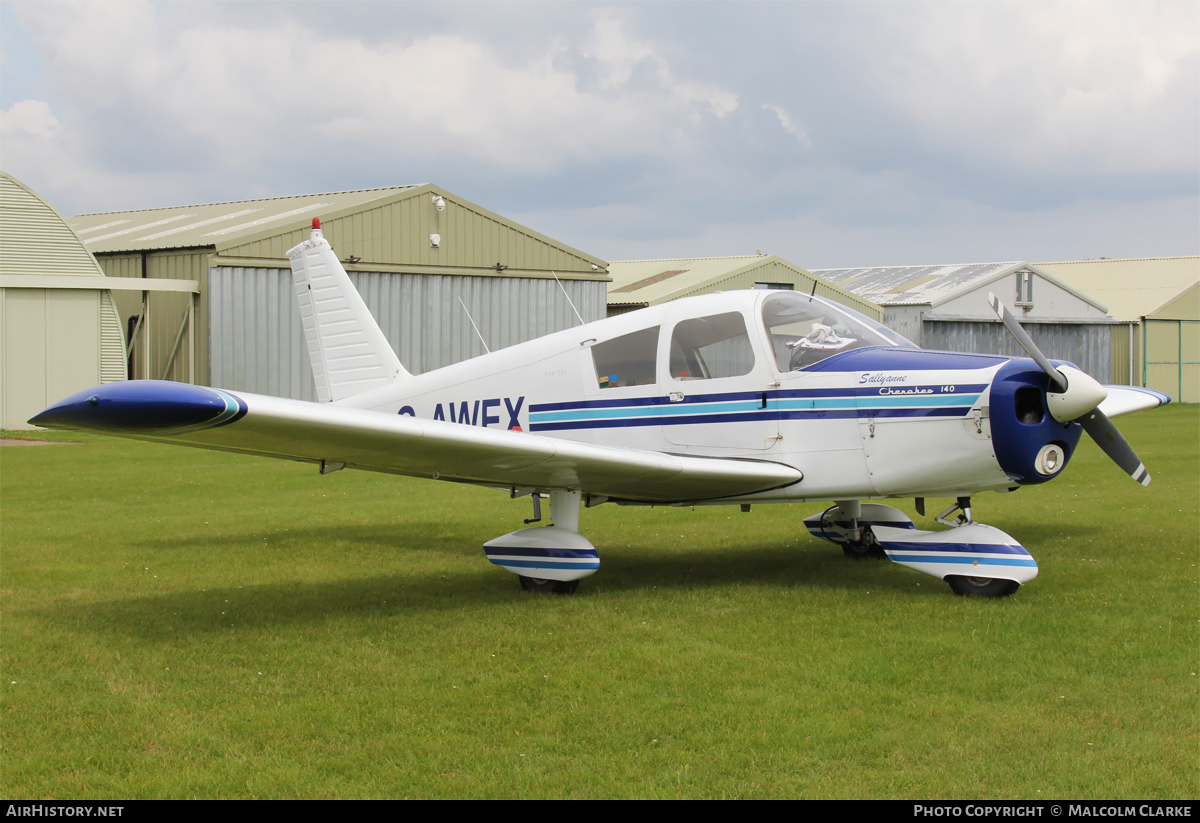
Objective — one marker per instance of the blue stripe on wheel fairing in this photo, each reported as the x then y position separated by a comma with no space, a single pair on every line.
524,551
973,549
543,563
963,560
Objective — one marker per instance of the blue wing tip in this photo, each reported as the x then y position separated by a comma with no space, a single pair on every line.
143,407
1163,399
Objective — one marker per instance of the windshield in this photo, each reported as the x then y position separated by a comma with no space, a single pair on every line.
804,330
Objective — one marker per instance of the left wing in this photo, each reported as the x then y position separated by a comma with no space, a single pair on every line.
316,432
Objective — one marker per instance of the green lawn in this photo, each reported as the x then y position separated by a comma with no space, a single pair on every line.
177,623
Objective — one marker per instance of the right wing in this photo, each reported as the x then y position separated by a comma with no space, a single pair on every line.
1126,399
319,432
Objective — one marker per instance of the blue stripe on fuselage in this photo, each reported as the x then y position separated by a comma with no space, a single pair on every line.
945,400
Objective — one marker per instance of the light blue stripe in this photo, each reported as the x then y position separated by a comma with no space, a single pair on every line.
875,402
644,411
688,409
975,559
231,409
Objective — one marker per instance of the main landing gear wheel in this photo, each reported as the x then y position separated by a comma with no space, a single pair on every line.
541,586
981,586
865,548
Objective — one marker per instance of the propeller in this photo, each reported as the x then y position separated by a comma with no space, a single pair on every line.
1076,396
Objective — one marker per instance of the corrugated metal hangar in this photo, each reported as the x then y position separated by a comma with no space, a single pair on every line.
59,330
946,308
204,294
1158,301
426,262
640,283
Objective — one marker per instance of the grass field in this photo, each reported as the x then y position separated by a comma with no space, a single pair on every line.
178,623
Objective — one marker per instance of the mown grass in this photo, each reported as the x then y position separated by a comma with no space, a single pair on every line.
177,623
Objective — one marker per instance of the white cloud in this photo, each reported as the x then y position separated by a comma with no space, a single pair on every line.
785,120
28,118
236,97
1050,85
626,121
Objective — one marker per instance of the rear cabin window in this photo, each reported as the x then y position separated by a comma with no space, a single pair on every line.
627,360
709,347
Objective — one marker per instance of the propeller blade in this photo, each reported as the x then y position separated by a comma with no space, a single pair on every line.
1057,383
1101,429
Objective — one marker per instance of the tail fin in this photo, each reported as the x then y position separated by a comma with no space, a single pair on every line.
346,347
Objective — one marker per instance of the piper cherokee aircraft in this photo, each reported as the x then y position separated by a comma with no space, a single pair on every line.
734,398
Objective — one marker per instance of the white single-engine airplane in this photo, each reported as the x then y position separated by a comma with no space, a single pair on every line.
741,397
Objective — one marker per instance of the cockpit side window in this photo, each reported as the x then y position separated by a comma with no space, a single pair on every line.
627,360
710,347
804,330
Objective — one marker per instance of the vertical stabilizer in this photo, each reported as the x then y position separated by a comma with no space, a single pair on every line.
346,347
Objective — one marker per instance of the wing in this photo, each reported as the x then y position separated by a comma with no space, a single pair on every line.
314,432
1126,399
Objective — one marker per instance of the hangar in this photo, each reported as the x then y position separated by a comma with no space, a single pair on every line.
430,265
946,308
59,330
1158,300
640,283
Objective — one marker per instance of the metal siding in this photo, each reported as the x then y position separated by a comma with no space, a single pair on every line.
52,342
1172,360
906,321
1087,346
72,342
1121,338
112,341
24,372
1184,307
167,310
1050,300
256,342
51,338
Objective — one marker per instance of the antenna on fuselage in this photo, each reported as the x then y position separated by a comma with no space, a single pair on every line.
476,328
564,291
813,293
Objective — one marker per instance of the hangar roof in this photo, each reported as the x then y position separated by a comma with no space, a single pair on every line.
930,285
378,228
637,283
215,224
1132,288
34,238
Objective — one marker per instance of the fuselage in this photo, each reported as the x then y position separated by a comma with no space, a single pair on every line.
758,375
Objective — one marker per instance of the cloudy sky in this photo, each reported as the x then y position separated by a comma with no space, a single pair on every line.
832,133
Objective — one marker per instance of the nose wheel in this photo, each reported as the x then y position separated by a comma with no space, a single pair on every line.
866,547
981,586
542,586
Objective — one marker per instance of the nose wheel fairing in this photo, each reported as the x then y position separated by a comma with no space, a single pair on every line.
969,550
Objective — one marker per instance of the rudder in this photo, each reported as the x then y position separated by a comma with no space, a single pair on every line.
346,347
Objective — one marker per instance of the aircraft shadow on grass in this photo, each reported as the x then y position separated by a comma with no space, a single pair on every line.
176,615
